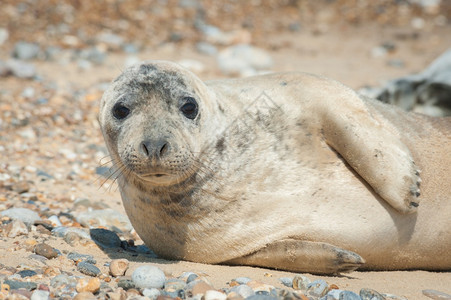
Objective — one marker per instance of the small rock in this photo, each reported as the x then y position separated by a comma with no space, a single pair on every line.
88,269
107,218
348,295
436,295
240,59
105,238
85,296
26,273
62,231
258,286
15,285
151,293
62,280
243,290
91,285
301,282
174,285
206,48
111,39
16,228
20,69
45,250
55,221
24,51
126,283
191,277
23,214
92,55
317,288
287,281
261,297
21,294
119,294
77,257
148,277
118,267
214,295
368,294
199,287
40,295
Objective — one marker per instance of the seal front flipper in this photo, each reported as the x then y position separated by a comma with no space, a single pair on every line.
302,256
372,146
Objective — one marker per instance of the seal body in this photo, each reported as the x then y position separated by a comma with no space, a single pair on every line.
289,171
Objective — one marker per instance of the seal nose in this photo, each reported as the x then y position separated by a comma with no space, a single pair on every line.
154,149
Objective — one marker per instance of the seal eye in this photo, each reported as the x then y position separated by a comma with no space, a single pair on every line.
120,111
189,109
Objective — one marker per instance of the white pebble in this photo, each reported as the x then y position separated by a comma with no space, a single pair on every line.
215,295
40,295
148,277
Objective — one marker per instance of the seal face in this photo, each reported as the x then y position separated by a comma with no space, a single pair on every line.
289,171
151,124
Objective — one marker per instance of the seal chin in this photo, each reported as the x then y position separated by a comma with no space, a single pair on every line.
159,179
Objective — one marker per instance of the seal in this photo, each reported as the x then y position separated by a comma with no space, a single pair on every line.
289,171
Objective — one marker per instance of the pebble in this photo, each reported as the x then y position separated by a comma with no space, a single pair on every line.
63,231
62,280
242,280
26,273
40,295
77,257
301,282
286,281
191,277
45,250
148,277
126,283
55,221
436,295
91,285
105,238
368,294
348,295
15,285
20,69
214,295
317,288
174,285
241,59
199,287
15,228
118,267
206,48
105,218
88,269
25,51
23,214
151,293
85,296
243,290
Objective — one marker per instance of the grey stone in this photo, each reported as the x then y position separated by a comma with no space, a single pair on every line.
436,295
16,228
62,280
23,214
45,250
126,283
15,285
191,278
20,69
148,277
26,273
348,295
88,269
62,231
105,238
317,288
368,294
332,295
206,48
243,290
261,297
173,285
301,282
151,293
81,257
111,39
242,280
286,281
25,51
243,58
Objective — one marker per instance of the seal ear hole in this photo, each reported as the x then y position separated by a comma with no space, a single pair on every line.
189,109
120,111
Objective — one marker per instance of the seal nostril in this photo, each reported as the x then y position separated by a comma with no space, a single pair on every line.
144,149
164,149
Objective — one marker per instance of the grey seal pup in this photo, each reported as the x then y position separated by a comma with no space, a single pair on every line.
289,171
